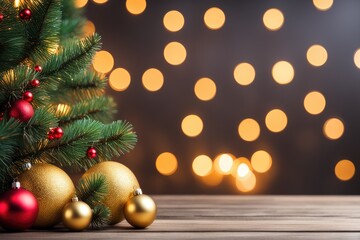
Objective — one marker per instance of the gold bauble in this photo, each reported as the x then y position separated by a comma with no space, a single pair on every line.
140,211
76,215
53,189
121,184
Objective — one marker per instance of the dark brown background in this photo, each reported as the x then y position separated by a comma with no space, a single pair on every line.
303,159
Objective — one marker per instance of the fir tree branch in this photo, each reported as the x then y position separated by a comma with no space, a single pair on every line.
43,28
72,57
98,108
72,21
92,189
101,217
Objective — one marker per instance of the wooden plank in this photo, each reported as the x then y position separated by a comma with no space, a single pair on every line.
251,217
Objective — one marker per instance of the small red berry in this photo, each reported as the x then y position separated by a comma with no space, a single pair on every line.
51,134
38,68
25,14
91,152
1,17
28,96
35,83
58,132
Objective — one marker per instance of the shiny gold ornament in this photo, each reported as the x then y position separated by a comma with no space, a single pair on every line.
53,189
140,211
121,185
76,215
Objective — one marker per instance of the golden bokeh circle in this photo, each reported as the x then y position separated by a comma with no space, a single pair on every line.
283,72
276,120
205,89
103,61
249,129
89,28
357,58
166,163
317,55
273,19
261,161
247,183
202,165
100,1
135,6
244,73
333,128
345,170
314,102
152,79
119,79
80,3
175,53
214,18
173,21
323,5
192,125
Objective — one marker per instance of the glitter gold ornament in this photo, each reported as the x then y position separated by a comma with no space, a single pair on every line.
53,189
140,210
121,185
76,215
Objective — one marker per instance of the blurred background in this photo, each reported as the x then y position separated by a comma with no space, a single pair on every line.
235,97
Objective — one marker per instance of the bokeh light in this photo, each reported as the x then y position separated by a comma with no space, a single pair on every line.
214,18
247,183
166,163
344,170
236,164
136,6
205,89
261,161
80,3
119,79
244,73
175,53
283,72
213,179
103,61
249,130
192,125
323,5
223,163
333,128
317,55
152,79
276,120
100,1
173,21
273,19
243,170
89,28
314,103
62,110
357,58
202,165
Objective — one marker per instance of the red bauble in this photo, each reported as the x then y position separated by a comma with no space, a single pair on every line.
1,17
27,96
25,14
18,209
51,134
91,152
21,110
58,132
38,68
35,83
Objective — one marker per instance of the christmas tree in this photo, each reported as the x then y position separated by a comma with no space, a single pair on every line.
52,103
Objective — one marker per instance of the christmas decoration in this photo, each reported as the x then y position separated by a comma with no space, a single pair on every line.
27,96
1,17
38,68
18,208
91,152
51,133
21,110
121,184
1,116
53,189
58,132
25,14
140,210
35,83
76,215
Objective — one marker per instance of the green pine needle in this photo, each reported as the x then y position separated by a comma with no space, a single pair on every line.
92,189
101,217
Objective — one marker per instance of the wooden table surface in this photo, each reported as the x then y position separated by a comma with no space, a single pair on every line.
233,217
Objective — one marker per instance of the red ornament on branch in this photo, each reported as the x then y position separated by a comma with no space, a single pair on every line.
1,17
91,152
28,96
18,208
58,132
25,14
21,110
35,83
38,68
